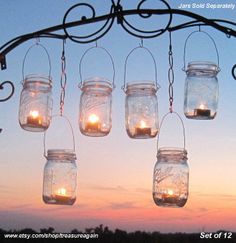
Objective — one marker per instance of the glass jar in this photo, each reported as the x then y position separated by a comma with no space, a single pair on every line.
60,177
35,109
171,178
95,107
141,110
201,91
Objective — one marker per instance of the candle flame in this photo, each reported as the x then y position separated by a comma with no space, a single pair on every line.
143,124
61,191
93,118
170,192
202,107
34,114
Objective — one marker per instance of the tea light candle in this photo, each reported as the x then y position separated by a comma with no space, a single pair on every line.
93,123
169,197
61,195
202,111
142,129
34,119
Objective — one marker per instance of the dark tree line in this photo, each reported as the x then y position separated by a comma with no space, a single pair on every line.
119,236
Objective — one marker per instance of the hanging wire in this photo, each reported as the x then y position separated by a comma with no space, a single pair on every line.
126,61
161,125
71,129
63,79
141,43
108,54
209,37
37,40
171,76
37,44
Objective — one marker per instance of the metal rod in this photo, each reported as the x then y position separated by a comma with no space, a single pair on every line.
10,45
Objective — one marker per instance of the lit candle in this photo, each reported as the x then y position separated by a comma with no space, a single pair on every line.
61,195
202,111
169,196
93,124
142,129
34,119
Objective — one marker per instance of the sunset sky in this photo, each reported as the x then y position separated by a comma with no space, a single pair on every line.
115,172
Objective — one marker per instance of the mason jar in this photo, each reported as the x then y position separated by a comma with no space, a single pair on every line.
60,177
171,178
141,109
35,109
201,91
95,107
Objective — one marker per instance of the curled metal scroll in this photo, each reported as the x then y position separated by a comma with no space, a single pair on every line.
128,27
12,90
95,35
234,71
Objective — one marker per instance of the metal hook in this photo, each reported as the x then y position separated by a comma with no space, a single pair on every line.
141,44
199,28
228,35
37,40
63,49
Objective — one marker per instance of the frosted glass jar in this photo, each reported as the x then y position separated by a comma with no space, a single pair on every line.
141,110
35,108
201,91
95,107
60,177
171,178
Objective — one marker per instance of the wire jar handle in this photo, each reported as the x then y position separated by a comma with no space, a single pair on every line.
182,123
49,60
214,43
72,134
112,62
126,60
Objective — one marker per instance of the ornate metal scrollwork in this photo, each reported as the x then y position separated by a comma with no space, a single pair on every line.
128,27
12,90
95,35
117,12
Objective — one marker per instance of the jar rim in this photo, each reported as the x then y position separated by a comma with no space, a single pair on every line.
144,84
34,82
65,152
30,79
203,66
98,82
171,150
